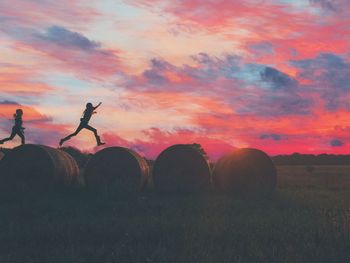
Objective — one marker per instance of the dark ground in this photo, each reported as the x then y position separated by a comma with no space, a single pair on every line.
307,220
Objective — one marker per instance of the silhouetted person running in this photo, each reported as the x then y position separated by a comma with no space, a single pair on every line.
84,124
17,129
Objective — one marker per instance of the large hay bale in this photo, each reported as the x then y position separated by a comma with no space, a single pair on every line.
181,168
117,167
245,172
80,157
38,167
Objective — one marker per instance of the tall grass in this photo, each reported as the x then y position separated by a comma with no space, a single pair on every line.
307,220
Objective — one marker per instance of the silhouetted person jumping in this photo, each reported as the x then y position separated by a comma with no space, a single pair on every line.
17,129
84,123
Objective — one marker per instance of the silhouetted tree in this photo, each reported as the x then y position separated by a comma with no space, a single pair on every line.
310,159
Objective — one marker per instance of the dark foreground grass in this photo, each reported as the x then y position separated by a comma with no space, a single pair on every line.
308,222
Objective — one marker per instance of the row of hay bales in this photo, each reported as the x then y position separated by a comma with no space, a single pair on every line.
179,168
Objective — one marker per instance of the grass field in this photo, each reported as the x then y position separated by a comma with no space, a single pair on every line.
307,220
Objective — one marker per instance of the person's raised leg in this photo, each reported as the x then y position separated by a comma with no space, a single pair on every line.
13,134
98,139
71,135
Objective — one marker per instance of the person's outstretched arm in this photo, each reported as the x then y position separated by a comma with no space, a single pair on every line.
98,105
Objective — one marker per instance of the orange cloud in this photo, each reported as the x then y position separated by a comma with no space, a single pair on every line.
19,80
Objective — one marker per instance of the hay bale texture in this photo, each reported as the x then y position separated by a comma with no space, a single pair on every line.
181,168
117,167
38,167
245,171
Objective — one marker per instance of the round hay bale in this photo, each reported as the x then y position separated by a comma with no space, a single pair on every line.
80,157
38,167
118,167
181,168
245,171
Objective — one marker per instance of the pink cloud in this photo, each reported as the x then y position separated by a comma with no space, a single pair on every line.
69,51
37,13
20,80
294,32
49,31
156,140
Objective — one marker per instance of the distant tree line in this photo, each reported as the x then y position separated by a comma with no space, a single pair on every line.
310,159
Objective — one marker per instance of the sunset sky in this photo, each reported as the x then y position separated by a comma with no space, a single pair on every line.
273,75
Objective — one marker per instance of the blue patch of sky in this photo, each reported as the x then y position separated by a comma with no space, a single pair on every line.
70,90
311,6
251,74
